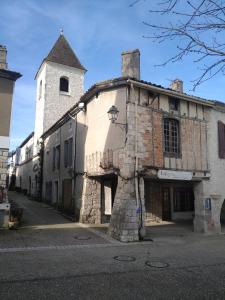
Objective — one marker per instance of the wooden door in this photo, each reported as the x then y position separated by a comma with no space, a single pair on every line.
153,201
67,195
166,207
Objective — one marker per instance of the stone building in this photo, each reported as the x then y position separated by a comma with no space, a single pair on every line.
7,82
60,84
127,152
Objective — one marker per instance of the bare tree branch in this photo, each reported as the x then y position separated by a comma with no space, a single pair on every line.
197,27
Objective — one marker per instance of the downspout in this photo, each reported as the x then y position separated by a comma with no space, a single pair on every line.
60,165
75,158
75,164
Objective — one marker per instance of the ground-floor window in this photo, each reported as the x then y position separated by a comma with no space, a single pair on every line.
183,199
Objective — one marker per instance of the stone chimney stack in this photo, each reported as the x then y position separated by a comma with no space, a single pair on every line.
131,64
177,85
3,54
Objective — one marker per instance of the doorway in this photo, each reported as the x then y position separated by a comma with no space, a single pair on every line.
56,193
67,196
108,192
166,204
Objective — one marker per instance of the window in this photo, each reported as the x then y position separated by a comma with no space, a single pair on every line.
68,149
221,139
171,137
40,89
174,104
56,158
64,85
183,199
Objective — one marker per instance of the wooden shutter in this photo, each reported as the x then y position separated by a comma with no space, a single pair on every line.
70,152
53,159
66,154
221,139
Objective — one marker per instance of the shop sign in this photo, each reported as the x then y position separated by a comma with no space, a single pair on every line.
174,175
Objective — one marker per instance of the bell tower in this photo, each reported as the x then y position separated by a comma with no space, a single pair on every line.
60,84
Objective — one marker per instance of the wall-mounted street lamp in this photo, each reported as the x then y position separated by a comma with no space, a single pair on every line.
81,106
113,115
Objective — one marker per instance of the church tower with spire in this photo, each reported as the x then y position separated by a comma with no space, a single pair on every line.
60,84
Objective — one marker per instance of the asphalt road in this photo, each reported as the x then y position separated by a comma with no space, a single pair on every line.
57,259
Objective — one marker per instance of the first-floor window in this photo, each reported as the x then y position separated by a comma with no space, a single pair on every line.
56,158
221,139
171,137
68,152
183,199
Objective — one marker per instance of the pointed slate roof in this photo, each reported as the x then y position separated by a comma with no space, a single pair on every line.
63,54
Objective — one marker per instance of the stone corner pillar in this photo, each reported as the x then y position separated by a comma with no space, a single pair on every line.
124,223
91,202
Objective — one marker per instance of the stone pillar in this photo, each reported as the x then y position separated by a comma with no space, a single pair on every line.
3,166
91,202
124,221
207,219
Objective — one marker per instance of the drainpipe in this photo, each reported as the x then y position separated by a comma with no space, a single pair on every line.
75,158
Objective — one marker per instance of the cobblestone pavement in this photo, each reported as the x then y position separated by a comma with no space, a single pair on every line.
52,258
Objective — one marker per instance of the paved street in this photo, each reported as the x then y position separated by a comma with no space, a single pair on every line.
51,258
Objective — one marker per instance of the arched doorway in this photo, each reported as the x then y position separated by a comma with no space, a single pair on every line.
222,217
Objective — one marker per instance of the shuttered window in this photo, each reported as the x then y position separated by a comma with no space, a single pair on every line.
56,158
221,139
68,149
66,154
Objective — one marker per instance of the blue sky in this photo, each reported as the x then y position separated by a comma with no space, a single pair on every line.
98,31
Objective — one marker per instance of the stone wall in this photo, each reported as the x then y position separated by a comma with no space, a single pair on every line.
91,202
3,166
207,220
124,223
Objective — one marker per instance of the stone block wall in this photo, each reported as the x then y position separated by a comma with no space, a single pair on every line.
3,166
124,221
91,202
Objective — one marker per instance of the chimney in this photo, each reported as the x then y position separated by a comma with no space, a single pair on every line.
177,85
131,64
3,54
